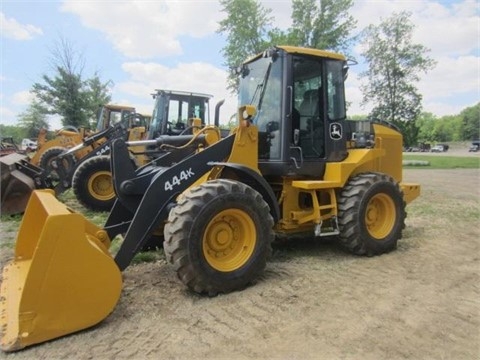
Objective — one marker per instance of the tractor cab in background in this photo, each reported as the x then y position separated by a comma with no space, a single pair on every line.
173,110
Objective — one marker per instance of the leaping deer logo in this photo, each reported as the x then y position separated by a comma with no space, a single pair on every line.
335,131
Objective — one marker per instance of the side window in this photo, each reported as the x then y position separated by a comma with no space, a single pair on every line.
177,111
118,116
308,99
335,91
199,109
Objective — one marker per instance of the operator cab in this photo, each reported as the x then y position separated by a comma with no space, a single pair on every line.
300,102
110,115
174,109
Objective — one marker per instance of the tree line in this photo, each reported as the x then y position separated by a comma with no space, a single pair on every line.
394,65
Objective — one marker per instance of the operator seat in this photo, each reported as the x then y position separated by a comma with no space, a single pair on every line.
312,129
309,106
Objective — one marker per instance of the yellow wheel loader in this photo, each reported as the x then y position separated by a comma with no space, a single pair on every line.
21,174
293,165
65,138
90,177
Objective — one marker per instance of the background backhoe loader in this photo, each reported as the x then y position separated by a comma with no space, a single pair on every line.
293,165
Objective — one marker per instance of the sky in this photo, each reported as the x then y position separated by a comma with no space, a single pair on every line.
164,44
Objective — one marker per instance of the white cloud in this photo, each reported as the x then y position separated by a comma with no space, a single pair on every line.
281,11
452,30
22,98
149,28
452,86
354,96
7,116
440,108
12,29
451,77
448,31
19,100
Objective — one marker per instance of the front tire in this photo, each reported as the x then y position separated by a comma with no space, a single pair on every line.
92,184
219,236
45,161
371,214
46,158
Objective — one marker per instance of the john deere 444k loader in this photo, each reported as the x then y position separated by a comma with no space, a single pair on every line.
293,165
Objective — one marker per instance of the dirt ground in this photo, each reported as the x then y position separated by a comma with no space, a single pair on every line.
421,301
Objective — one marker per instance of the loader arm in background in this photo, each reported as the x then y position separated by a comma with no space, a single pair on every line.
154,191
98,144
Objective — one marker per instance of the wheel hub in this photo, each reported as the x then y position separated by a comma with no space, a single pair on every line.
229,240
380,216
100,186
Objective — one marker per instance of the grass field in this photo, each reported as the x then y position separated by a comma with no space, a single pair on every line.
441,162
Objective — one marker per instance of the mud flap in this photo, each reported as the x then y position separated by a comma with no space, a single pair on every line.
62,278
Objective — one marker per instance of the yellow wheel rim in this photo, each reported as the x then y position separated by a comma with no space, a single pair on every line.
100,186
229,240
380,216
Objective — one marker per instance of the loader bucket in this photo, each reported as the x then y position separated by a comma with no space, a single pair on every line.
62,278
16,187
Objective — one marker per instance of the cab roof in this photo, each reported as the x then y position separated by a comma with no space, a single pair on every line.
304,51
182,93
311,51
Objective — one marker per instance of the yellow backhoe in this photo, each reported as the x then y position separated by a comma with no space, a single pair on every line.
293,165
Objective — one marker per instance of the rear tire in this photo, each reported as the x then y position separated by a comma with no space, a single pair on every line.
371,214
92,184
219,236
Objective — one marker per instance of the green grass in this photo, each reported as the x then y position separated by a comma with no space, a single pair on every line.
443,162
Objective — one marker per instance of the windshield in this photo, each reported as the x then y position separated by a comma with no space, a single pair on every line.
172,112
158,116
253,80
261,86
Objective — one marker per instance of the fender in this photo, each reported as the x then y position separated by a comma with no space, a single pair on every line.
257,182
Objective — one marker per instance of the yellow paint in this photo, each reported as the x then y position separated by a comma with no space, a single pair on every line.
62,278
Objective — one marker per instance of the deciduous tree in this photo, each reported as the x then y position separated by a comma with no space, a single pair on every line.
66,92
250,29
33,119
471,122
322,24
246,28
394,66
